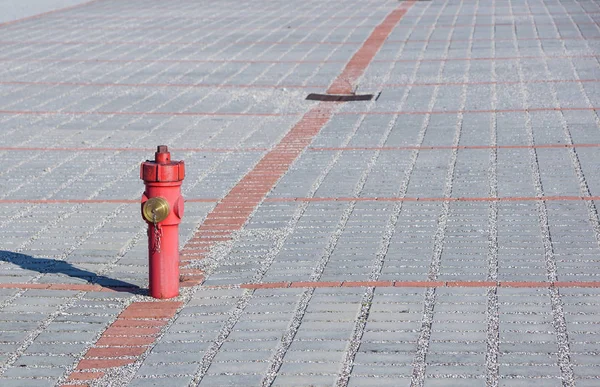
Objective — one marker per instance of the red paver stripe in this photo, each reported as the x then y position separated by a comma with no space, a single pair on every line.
518,39
420,284
80,27
86,287
382,284
272,285
103,149
179,16
450,147
88,364
66,201
220,226
346,81
579,284
138,323
132,331
499,58
517,24
244,86
104,60
454,112
102,113
205,28
154,305
124,341
154,85
86,375
112,352
313,284
479,83
471,284
322,108
91,201
524,284
287,42
25,286
217,61
416,199
176,42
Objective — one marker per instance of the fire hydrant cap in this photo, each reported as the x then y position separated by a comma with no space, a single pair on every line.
162,169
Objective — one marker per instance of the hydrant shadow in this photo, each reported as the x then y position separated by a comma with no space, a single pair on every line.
57,266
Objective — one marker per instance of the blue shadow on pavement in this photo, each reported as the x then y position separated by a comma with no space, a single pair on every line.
49,265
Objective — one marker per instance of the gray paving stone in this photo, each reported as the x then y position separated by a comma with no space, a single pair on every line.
175,357
367,381
528,381
59,349
233,75
170,370
230,380
28,382
35,372
454,382
172,381
314,380
44,361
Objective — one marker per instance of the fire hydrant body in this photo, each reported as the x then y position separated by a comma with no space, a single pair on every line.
162,209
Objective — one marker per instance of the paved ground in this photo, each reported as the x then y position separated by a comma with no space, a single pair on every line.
445,234
16,10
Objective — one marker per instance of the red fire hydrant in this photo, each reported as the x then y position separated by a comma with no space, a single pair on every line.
162,209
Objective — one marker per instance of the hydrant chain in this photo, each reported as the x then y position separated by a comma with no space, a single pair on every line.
156,233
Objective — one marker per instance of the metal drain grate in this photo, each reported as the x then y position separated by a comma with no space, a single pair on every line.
341,97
